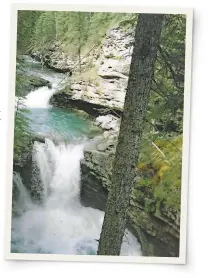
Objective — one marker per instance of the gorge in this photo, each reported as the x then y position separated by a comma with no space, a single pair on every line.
48,215
61,182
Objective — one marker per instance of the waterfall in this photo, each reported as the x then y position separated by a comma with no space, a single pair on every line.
61,225
21,197
39,98
50,218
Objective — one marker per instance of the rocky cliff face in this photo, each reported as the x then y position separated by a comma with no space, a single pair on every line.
104,82
156,229
54,58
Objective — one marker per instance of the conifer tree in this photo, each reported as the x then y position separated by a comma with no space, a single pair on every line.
26,21
147,37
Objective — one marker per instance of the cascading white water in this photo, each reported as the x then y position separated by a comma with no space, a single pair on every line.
39,98
23,201
61,225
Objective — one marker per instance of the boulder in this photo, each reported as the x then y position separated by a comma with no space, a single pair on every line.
36,57
108,122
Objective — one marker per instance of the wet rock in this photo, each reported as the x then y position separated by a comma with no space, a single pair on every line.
23,166
36,57
108,122
28,82
36,82
39,137
95,175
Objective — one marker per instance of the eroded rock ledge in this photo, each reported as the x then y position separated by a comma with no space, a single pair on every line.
66,100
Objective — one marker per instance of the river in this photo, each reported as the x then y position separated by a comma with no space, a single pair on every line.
59,224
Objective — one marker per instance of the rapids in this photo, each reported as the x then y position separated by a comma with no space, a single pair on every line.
59,224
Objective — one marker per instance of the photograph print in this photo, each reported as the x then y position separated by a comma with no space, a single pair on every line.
98,134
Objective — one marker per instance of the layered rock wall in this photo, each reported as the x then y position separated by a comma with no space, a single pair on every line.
105,72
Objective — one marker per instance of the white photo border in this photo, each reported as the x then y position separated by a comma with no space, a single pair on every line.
186,134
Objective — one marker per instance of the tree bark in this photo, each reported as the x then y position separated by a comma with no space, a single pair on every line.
147,35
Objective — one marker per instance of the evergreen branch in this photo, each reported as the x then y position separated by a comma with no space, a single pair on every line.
165,59
164,136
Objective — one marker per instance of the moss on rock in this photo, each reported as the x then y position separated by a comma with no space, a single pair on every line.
26,83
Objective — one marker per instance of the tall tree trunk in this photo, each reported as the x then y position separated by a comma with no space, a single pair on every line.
147,37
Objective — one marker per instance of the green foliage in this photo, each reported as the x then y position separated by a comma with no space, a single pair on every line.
160,170
25,28
44,31
21,79
166,103
74,30
22,131
100,23
149,205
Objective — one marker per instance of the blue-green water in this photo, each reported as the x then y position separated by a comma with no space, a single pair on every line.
61,122
46,119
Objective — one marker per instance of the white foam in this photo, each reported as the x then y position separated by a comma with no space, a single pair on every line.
61,225
39,98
